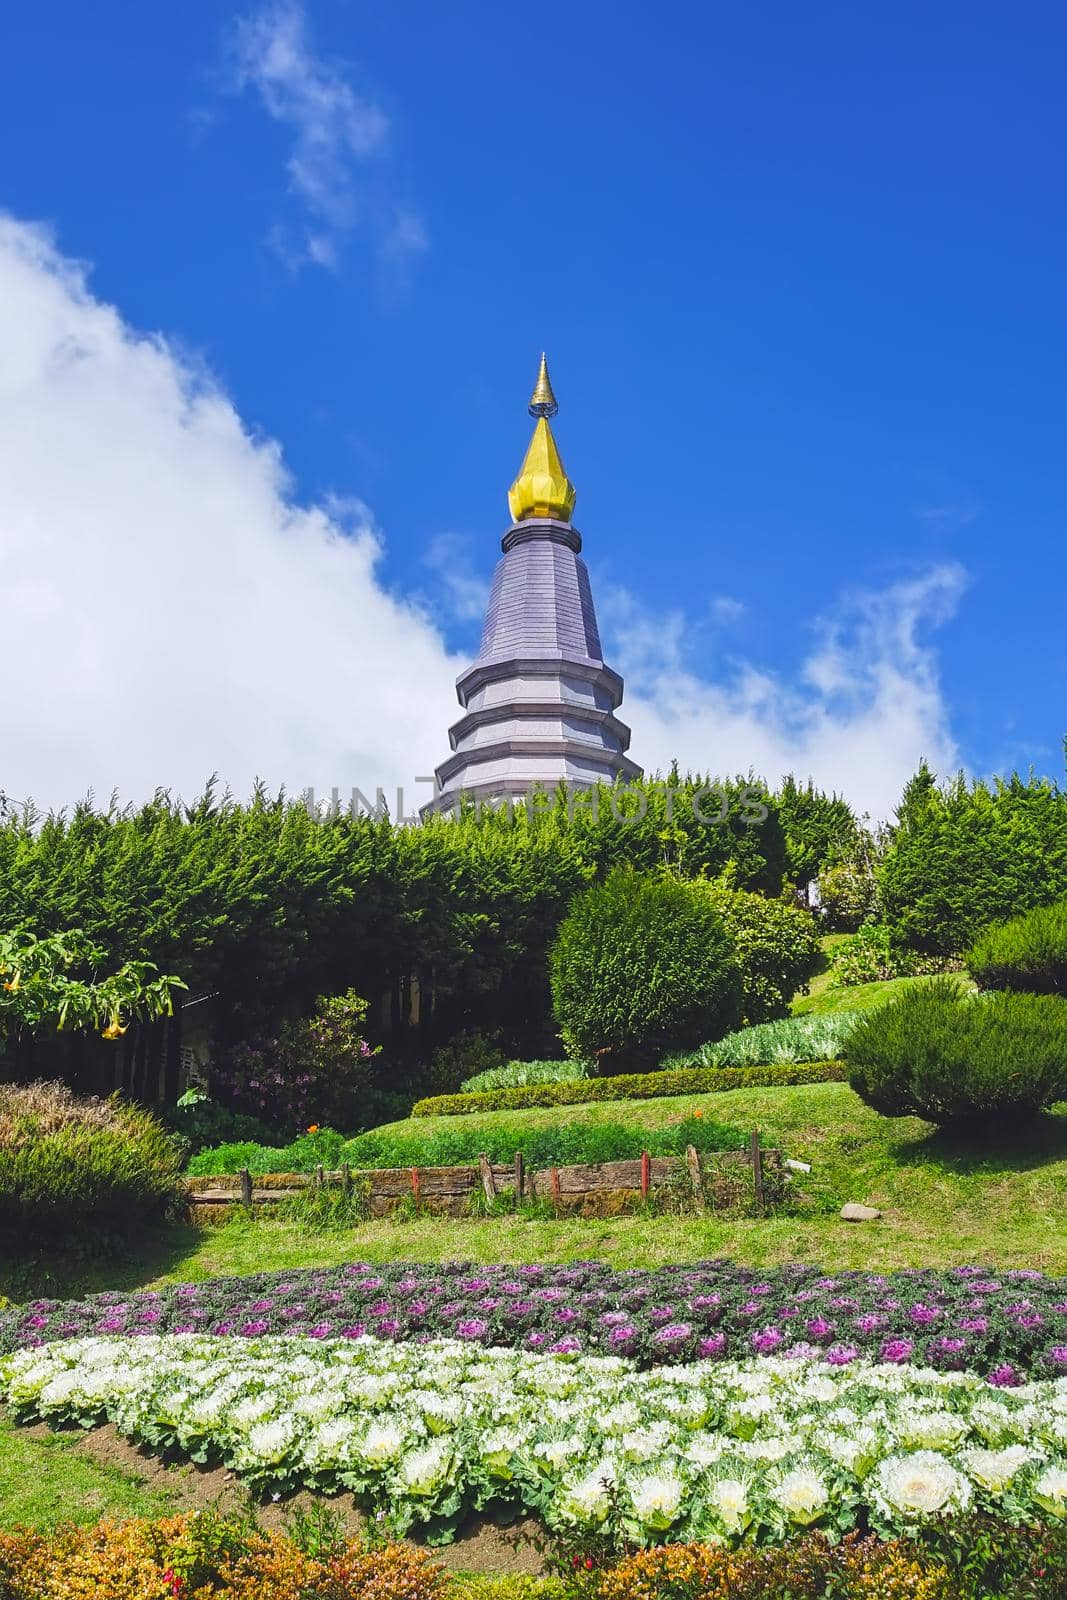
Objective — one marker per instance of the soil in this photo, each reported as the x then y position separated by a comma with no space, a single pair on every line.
480,1545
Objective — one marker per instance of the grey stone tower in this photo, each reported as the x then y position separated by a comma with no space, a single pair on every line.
539,704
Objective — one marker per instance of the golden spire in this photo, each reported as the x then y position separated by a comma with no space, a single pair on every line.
542,488
543,401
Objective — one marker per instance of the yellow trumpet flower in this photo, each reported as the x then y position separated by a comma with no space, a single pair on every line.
114,1030
13,984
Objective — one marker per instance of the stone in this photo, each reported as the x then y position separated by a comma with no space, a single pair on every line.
854,1212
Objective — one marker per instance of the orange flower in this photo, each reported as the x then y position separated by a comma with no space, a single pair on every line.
698,1113
314,1128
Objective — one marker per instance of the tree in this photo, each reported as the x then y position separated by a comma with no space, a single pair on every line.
963,855
39,987
820,830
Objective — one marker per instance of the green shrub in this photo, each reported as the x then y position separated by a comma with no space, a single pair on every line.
520,1074
642,964
467,1053
550,1145
631,1086
951,1057
847,895
68,1165
787,1041
874,955
200,1121
1027,953
776,944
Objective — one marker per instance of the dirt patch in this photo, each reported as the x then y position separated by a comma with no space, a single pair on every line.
480,1546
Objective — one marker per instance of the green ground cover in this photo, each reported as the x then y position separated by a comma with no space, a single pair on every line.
45,1480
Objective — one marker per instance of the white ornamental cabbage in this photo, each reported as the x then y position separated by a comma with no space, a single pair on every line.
382,1442
1050,1491
657,1500
995,1469
802,1495
729,1496
921,1484
423,1471
727,1449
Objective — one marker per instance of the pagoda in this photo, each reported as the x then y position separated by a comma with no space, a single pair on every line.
539,704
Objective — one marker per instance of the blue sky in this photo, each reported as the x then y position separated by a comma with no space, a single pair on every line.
799,272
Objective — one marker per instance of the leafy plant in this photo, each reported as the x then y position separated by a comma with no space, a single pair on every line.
1027,953
40,988
316,1070
200,1121
642,964
520,1074
847,895
954,1058
875,954
784,1042
467,1052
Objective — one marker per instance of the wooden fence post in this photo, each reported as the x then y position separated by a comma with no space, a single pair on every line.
487,1177
757,1172
346,1179
696,1177
646,1173
416,1188
519,1175
557,1194
246,1186
320,1176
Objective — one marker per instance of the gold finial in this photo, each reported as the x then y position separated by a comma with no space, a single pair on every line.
542,488
543,401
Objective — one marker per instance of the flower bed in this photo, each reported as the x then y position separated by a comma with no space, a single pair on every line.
433,1431
192,1558
1003,1325
209,1554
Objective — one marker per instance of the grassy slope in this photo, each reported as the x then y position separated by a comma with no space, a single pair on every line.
942,1203
821,1000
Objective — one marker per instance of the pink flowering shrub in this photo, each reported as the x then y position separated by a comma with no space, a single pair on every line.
314,1071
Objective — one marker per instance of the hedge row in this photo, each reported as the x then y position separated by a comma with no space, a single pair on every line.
226,1555
631,1086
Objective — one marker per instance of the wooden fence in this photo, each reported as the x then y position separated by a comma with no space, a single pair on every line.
698,1181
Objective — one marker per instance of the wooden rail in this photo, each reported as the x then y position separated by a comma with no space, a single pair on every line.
448,1189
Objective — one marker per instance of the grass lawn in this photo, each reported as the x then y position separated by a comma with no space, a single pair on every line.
46,1479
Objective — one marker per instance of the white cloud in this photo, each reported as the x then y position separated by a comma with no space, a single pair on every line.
465,592
866,705
335,131
167,609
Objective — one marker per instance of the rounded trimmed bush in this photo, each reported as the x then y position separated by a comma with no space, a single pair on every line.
956,1058
777,948
68,1164
1027,953
642,965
